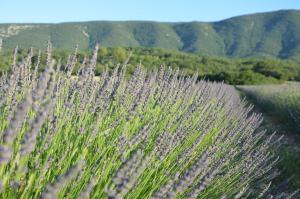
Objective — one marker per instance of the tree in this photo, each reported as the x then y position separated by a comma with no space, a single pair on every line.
0,44
119,54
103,52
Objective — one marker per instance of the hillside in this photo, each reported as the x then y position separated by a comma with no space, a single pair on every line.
272,34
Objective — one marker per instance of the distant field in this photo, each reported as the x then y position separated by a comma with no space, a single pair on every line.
282,101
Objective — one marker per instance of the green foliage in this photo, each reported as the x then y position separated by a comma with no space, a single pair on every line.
276,69
5,61
289,167
103,52
119,54
244,77
232,71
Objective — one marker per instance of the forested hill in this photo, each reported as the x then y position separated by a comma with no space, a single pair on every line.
272,34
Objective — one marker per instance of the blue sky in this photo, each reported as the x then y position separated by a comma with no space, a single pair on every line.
155,10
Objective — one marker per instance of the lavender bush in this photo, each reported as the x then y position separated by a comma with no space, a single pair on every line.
157,134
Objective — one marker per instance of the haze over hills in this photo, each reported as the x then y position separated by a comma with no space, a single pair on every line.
271,34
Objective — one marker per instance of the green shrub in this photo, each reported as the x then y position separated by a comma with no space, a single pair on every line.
232,71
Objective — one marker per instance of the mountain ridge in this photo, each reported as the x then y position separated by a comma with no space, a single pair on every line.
269,34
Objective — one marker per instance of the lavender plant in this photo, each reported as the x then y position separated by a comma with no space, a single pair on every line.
158,134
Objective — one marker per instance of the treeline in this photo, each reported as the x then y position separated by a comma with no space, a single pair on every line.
247,71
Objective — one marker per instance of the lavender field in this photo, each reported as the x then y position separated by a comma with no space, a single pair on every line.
150,99
157,134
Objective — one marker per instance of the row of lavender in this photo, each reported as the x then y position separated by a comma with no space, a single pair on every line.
158,134
281,100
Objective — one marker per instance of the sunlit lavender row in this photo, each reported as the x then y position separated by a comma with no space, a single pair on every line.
157,134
